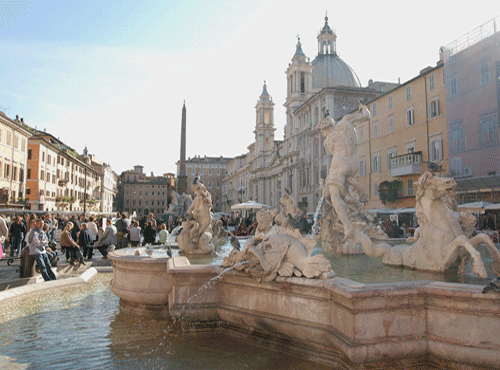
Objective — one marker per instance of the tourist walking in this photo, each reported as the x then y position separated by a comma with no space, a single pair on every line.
16,234
107,241
37,244
4,232
122,230
69,243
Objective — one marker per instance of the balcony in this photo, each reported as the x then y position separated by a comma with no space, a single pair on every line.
406,164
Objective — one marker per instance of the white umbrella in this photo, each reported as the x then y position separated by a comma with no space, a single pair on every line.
249,205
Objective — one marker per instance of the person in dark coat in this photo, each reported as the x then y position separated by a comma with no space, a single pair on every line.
149,234
395,231
16,236
76,227
85,242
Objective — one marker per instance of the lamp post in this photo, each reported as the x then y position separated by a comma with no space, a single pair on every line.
85,155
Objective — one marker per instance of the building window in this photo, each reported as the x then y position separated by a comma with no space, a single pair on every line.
484,73
456,166
375,130
457,137
408,93
453,86
361,136
488,130
374,110
376,163
434,108
43,156
28,174
390,101
410,119
362,167
29,153
192,172
42,175
410,187
391,125
391,154
432,82
436,150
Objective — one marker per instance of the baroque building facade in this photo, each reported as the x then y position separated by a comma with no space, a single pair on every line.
327,85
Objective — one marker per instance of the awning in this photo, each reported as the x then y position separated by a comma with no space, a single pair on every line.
249,205
475,207
474,184
391,211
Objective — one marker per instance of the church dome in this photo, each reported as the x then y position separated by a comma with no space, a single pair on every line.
329,70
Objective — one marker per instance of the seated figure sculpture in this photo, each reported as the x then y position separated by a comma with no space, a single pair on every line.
195,237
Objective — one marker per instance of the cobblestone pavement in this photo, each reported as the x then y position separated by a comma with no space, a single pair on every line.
9,275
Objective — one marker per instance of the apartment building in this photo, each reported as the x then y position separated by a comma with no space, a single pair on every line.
406,131
140,194
14,135
58,178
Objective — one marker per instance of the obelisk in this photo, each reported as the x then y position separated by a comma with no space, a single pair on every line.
182,176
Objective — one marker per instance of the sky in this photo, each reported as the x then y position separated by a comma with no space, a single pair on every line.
113,75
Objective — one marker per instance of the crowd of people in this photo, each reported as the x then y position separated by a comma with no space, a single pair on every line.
76,235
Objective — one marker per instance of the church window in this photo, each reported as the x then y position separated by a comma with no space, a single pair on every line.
302,83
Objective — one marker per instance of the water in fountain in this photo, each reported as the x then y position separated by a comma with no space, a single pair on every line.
204,288
316,213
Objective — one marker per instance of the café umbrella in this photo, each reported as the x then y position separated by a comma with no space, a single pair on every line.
249,205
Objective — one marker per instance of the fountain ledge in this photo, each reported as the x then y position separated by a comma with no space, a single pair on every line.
336,321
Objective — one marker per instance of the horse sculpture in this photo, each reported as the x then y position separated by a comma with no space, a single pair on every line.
442,244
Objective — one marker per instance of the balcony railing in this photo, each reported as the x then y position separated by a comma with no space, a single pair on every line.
406,164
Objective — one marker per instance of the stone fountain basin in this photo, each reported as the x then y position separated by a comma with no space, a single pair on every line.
336,321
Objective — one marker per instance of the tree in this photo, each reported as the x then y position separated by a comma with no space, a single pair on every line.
388,191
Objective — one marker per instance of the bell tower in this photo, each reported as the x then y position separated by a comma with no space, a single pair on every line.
264,127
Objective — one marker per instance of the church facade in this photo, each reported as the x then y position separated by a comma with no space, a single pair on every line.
327,85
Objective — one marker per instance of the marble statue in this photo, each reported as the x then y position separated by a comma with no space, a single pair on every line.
288,212
278,249
195,237
442,243
179,205
342,193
